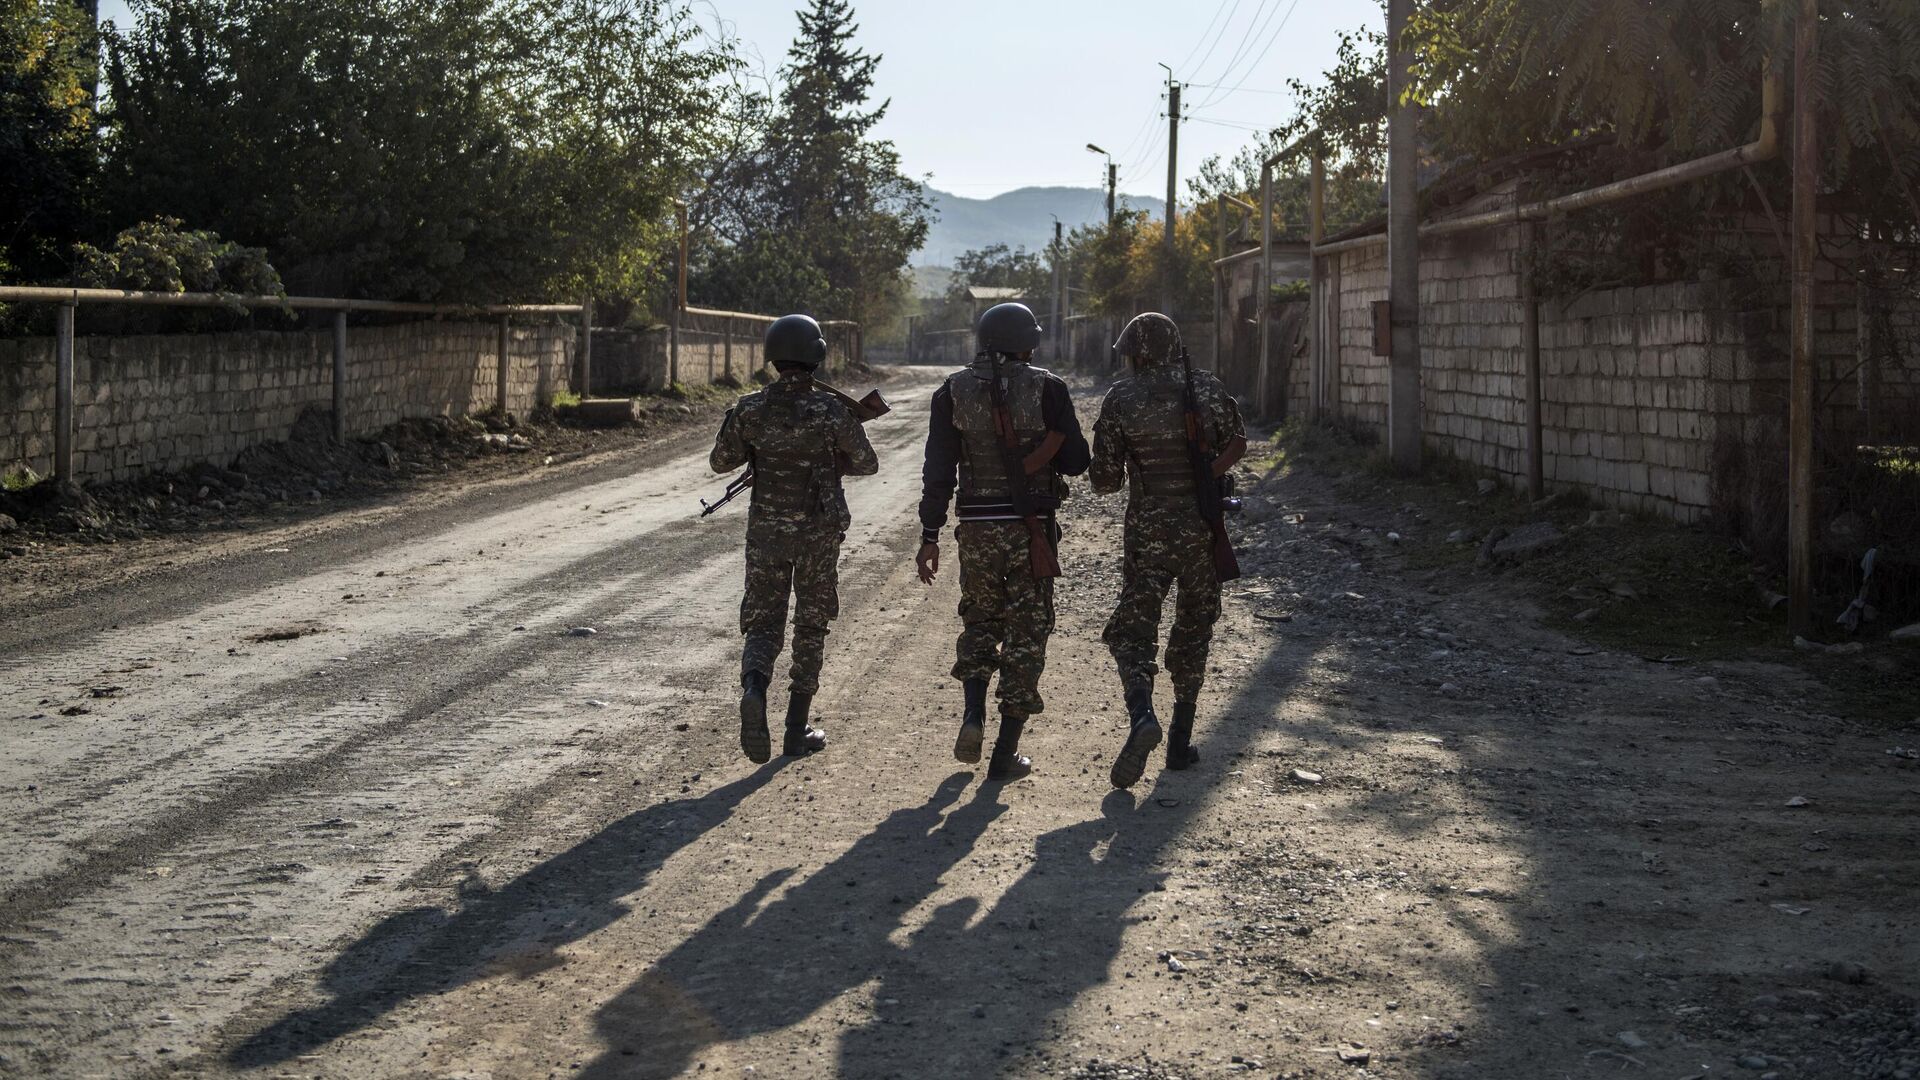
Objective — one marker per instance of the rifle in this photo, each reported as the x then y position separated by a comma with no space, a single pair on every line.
871,407
1206,486
1040,555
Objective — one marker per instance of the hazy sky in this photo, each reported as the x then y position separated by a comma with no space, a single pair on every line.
990,95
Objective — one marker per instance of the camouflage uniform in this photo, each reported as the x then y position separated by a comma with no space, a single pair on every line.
1006,612
800,442
1140,438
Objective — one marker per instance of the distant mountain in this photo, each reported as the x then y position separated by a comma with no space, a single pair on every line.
1022,217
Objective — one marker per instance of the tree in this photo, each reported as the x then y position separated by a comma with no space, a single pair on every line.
433,149
832,192
1000,266
46,135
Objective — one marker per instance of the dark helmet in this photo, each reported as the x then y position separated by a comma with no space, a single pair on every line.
1149,339
795,339
1008,328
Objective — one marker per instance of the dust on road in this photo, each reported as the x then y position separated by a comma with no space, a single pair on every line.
374,812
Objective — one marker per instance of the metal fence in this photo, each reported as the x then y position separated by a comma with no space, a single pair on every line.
713,346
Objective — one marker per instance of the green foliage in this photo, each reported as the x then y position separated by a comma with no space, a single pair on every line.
999,266
46,135
431,149
160,256
810,212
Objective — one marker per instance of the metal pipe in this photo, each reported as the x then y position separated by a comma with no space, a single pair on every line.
1764,148
43,294
63,393
1262,298
1806,175
340,377
1316,230
1404,424
586,348
1530,356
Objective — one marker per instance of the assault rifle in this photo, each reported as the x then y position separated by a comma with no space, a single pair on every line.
1207,493
871,407
1040,555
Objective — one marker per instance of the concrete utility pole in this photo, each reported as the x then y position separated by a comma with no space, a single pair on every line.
1806,175
1059,294
1173,177
1403,252
1113,175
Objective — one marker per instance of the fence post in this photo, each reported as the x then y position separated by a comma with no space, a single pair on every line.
340,377
501,378
1530,348
726,344
63,393
586,348
673,348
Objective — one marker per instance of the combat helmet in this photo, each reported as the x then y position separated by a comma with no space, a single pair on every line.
1150,339
1008,328
795,341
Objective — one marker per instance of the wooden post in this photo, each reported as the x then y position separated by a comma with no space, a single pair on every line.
1219,279
340,377
503,363
1403,252
1316,232
726,344
63,393
586,348
1806,172
1530,356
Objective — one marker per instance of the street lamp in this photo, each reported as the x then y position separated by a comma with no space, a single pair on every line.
1112,175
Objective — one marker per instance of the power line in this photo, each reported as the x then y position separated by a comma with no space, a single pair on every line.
1255,27
1222,6
1251,68
1244,90
1216,38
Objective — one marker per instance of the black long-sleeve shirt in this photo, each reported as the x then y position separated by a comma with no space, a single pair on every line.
941,472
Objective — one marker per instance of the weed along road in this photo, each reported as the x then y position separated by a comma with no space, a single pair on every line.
361,801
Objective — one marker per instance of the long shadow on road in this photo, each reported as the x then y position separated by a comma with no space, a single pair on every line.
965,990
430,950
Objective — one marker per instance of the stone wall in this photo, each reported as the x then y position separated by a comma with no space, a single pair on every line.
163,402
1647,392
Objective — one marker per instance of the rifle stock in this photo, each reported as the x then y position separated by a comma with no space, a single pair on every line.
1041,559
1206,485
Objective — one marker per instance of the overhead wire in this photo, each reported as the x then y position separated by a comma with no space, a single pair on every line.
1255,66
1203,33
1256,27
1215,44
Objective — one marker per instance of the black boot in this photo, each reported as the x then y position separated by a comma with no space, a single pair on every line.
1007,762
754,740
802,738
973,722
1142,737
1180,751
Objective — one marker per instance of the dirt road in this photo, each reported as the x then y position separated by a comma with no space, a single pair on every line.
350,801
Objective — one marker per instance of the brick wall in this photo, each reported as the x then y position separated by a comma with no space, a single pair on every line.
164,402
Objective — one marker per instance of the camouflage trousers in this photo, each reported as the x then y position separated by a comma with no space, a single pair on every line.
1165,546
801,559
1006,613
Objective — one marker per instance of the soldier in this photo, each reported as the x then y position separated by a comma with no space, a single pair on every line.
1006,433
800,441
1141,434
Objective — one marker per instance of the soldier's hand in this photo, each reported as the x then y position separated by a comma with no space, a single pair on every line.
928,561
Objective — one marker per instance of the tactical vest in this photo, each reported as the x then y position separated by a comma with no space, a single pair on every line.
983,471
793,466
1157,443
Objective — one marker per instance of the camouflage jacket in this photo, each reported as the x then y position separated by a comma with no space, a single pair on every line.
1140,437
800,441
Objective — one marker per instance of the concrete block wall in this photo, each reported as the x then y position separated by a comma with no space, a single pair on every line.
163,402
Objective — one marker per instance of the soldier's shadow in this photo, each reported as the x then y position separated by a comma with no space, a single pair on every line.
517,926
759,967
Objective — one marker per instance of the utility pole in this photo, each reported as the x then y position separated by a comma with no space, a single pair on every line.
1059,295
1173,177
1113,176
1403,251
679,297
1806,175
